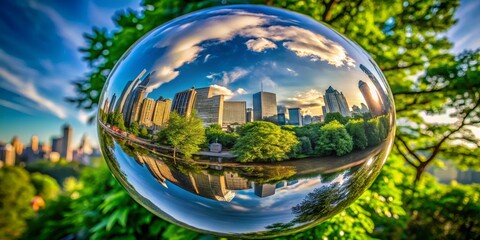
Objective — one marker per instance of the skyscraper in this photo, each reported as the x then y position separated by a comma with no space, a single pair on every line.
7,155
296,117
146,112
66,151
374,106
133,111
183,102
161,114
127,90
282,120
249,115
112,103
382,93
57,144
263,190
34,143
265,106
209,108
336,102
17,145
134,101
105,106
234,112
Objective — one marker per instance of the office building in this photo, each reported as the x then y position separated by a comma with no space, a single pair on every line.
265,106
249,114
307,119
34,143
146,112
161,114
183,102
382,93
296,117
119,107
209,108
281,119
335,102
106,106
372,102
7,155
234,113
17,146
112,103
135,100
235,182
57,144
66,151
264,190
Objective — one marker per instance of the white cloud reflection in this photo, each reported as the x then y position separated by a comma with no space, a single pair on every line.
182,43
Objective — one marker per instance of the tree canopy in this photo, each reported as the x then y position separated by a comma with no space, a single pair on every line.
263,141
183,133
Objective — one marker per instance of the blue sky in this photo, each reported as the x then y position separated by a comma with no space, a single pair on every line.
39,58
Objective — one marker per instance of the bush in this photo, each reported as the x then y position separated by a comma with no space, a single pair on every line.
334,138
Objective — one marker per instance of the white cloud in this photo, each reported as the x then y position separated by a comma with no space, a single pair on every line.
226,92
309,101
15,106
291,71
182,42
241,91
227,77
28,90
72,33
220,90
304,43
260,44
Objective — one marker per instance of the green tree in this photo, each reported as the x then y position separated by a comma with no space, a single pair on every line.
311,131
371,130
334,138
16,194
183,133
263,141
332,116
144,133
46,186
215,133
356,130
134,128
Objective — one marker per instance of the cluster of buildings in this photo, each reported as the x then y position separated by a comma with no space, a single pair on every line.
61,147
216,187
215,109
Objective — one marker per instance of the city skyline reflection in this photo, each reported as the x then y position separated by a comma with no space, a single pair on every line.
237,120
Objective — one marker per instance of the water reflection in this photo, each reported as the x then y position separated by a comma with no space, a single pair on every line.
245,121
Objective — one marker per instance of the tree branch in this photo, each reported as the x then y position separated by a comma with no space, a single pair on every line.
409,150
404,156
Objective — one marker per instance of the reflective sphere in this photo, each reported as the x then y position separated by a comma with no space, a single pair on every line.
246,121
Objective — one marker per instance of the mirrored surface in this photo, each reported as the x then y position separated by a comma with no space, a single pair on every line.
246,121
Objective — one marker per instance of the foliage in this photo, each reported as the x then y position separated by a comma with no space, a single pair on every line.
183,133
312,131
334,138
116,119
332,116
144,133
263,141
372,131
16,194
406,38
134,128
99,208
356,130
46,186
59,171
215,133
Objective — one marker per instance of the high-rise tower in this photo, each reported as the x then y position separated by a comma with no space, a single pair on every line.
265,106
374,106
